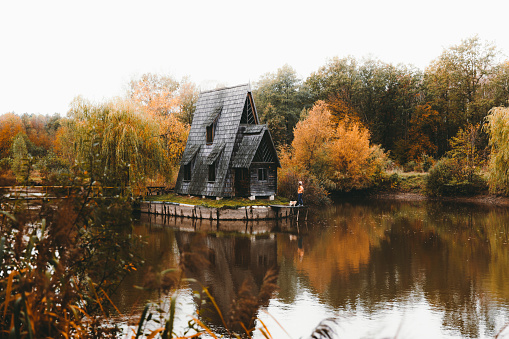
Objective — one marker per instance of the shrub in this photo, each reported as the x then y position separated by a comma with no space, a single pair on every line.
314,193
410,166
446,179
426,162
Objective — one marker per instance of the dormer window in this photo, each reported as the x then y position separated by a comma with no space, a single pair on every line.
210,133
187,172
212,172
211,125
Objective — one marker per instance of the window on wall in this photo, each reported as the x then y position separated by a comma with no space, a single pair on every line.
212,172
210,133
262,174
187,172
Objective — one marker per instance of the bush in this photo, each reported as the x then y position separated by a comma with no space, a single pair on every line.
314,193
54,170
426,162
445,179
409,166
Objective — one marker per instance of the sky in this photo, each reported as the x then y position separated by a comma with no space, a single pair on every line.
53,51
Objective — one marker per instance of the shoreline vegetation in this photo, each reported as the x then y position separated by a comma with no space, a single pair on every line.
411,187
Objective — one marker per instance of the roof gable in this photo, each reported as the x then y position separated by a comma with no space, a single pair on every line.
236,139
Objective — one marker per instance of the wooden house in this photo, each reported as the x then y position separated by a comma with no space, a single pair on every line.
228,153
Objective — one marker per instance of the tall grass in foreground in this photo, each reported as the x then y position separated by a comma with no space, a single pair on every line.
58,265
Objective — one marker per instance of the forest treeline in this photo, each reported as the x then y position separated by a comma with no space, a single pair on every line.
344,127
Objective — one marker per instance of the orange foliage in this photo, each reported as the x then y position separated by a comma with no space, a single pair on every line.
160,98
424,125
338,154
157,94
340,110
312,135
10,126
351,154
35,127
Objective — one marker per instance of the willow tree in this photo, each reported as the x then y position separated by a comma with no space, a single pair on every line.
497,126
114,143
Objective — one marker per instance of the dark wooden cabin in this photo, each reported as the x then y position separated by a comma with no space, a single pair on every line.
228,154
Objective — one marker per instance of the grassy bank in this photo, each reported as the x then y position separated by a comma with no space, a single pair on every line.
223,203
409,182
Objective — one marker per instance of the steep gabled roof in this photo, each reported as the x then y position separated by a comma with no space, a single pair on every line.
228,117
223,107
255,139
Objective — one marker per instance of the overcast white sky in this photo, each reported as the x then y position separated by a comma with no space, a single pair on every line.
52,51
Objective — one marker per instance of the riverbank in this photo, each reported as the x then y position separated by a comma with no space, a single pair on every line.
411,186
482,199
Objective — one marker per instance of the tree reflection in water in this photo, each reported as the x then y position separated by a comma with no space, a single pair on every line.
359,261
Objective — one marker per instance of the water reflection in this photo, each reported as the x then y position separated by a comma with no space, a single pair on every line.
438,269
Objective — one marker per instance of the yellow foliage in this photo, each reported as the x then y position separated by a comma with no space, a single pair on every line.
312,135
350,154
338,153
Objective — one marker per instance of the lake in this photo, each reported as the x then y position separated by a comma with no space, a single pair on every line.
380,269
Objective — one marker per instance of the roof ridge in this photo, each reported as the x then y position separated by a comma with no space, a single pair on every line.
225,88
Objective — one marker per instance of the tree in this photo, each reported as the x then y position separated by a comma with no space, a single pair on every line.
10,126
422,135
171,105
497,125
156,93
22,160
312,136
162,95
381,95
284,92
355,162
338,154
114,142
499,85
456,85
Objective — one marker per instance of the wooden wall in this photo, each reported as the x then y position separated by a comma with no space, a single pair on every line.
263,188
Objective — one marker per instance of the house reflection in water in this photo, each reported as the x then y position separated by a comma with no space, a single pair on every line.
240,273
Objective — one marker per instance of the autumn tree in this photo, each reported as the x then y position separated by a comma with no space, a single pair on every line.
312,137
10,126
422,136
114,142
171,105
338,154
383,96
497,126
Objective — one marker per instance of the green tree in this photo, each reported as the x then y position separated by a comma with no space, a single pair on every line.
497,127
284,92
456,85
22,160
499,85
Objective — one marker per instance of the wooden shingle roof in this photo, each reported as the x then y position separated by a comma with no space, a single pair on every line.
252,136
236,139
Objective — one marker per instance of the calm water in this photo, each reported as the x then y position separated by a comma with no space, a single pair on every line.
381,269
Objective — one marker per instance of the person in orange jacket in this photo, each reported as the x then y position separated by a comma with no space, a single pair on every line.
300,192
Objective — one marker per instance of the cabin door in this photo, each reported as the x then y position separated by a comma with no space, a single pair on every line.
241,182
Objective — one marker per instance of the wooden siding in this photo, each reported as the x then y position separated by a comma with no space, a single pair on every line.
263,188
